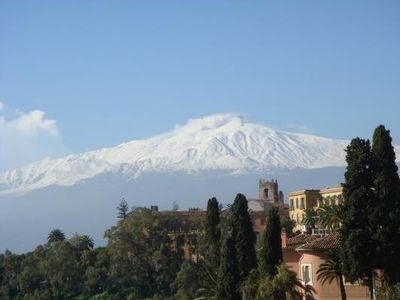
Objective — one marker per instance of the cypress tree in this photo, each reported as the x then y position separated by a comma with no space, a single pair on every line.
271,252
123,209
228,286
387,212
357,250
213,233
244,236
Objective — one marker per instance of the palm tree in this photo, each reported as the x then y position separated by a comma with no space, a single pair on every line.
287,284
82,242
249,288
210,281
56,235
330,216
260,286
310,218
332,270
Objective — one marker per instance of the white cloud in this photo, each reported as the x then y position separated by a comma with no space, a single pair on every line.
34,122
28,136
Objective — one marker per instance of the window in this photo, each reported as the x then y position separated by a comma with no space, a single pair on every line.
297,202
315,203
291,203
306,274
302,202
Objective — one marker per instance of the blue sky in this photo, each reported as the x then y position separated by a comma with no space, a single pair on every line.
113,71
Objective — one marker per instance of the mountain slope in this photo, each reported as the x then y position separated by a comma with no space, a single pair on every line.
218,142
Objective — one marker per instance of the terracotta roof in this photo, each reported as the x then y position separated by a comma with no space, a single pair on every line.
314,242
326,242
300,239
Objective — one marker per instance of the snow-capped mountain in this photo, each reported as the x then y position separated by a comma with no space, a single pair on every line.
217,142
216,156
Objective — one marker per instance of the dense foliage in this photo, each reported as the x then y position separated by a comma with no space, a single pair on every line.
357,250
271,251
370,214
284,285
388,292
143,259
228,286
212,251
386,214
243,235
167,255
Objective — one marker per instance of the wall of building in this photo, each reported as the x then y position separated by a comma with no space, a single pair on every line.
331,196
328,291
300,201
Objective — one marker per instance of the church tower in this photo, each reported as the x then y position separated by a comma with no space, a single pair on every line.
269,191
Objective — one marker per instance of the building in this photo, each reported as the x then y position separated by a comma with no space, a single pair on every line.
301,200
331,196
269,196
304,253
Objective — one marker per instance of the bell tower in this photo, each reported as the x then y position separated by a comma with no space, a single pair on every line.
269,191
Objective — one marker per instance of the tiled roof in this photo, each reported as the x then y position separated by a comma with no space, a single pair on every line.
326,242
314,242
300,239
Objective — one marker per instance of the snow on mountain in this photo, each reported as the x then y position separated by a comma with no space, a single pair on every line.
217,142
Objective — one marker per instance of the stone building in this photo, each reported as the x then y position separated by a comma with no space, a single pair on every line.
269,196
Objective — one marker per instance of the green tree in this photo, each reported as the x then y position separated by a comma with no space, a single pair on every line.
82,242
288,224
143,260
62,270
388,292
332,270
310,218
260,286
271,251
243,236
212,233
329,216
11,265
357,251
228,287
97,278
187,280
123,209
387,211
56,235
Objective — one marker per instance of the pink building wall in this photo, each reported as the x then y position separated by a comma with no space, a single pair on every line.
328,291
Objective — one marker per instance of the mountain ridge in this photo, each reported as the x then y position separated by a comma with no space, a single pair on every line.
217,142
